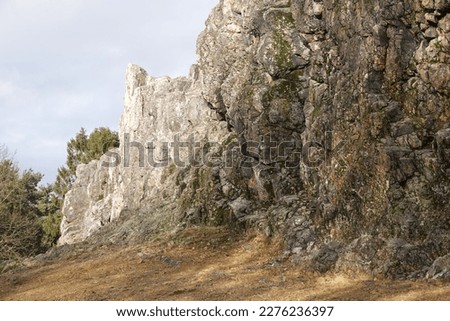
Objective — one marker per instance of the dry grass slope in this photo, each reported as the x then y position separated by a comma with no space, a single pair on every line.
197,264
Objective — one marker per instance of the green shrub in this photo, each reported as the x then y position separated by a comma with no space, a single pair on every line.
51,229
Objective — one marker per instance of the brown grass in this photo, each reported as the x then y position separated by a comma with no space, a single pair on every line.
198,264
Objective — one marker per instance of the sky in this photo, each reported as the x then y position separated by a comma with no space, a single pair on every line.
63,63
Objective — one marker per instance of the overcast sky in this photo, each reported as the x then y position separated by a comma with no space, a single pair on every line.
63,62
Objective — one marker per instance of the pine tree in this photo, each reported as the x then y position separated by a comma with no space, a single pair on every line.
81,150
20,228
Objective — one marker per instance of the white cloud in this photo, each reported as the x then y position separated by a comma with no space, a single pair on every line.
62,65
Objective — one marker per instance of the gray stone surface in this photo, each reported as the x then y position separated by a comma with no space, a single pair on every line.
333,120
156,110
440,268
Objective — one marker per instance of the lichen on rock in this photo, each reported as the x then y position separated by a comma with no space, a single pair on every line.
331,121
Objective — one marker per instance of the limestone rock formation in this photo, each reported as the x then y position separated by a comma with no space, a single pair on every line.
158,113
327,121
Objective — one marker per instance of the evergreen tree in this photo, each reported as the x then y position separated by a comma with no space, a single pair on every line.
81,150
30,216
77,151
20,228
49,207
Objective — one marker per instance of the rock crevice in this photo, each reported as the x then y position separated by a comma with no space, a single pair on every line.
326,121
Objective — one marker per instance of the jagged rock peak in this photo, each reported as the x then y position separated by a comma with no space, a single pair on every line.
158,113
331,120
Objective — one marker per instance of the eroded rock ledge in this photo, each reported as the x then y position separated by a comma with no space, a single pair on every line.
327,121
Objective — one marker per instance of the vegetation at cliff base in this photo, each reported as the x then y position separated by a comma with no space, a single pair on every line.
20,228
30,215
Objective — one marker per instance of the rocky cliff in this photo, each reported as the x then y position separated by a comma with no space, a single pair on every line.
134,179
327,122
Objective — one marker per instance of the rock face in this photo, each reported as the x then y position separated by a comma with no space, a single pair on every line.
331,127
158,114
